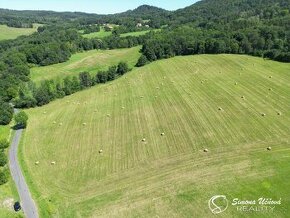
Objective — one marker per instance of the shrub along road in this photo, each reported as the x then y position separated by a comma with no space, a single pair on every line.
27,203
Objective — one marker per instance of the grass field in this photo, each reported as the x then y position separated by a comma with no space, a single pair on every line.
4,132
103,34
12,33
91,61
170,175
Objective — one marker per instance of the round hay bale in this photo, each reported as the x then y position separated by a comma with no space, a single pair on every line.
157,87
37,162
263,115
156,96
60,124
123,108
143,140
108,115
84,124
53,163
205,150
100,151
236,83
269,148
243,97
270,77
279,113
163,134
220,109
270,89
54,122
141,96
44,112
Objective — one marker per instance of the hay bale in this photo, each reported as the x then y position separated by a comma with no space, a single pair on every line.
163,134
270,89
44,112
270,77
279,113
84,124
141,96
37,162
205,150
236,83
156,96
269,148
143,140
220,109
54,122
123,108
263,115
53,163
157,87
60,124
243,97
108,115
100,151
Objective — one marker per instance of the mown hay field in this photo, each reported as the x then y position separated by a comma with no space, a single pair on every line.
90,61
214,102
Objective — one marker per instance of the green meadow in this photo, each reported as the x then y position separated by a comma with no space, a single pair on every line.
134,147
12,33
90,61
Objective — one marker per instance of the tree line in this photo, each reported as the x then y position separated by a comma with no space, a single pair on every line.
31,95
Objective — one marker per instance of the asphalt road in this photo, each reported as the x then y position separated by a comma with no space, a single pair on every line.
28,206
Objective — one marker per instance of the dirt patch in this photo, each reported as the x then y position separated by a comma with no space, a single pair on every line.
8,203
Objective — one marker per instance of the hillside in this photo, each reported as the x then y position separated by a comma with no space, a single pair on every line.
90,61
215,102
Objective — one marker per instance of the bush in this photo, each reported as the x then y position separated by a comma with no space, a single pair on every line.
4,144
21,120
122,68
142,61
3,177
6,113
3,159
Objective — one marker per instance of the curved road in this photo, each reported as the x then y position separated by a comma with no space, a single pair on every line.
28,206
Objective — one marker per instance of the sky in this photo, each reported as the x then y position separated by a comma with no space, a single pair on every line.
92,6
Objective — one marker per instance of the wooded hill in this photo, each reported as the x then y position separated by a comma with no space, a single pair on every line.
253,27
